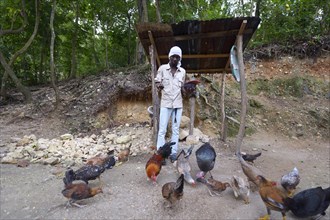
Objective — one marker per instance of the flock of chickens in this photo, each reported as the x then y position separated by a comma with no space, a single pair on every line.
307,203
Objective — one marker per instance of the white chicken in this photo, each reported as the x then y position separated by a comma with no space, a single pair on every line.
290,181
240,188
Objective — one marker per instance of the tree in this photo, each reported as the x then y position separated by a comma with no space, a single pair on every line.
7,66
52,65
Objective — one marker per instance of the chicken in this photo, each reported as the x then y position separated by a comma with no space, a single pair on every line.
251,157
154,164
309,202
85,173
240,188
290,181
251,172
205,156
214,187
272,196
190,88
183,165
79,191
123,155
173,191
107,161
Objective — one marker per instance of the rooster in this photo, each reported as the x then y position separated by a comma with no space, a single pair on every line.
79,191
154,164
272,197
173,191
214,187
205,156
183,165
290,181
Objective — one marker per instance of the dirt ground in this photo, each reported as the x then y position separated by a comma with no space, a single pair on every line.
34,192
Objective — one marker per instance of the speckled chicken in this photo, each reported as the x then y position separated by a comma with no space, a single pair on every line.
214,187
205,156
240,188
290,181
250,171
309,202
183,165
173,191
272,197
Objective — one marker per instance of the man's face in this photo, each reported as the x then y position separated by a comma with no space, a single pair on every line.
174,60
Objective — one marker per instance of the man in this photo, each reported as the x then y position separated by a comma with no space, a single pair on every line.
170,80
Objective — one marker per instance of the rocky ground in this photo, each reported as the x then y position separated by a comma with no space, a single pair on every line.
98,115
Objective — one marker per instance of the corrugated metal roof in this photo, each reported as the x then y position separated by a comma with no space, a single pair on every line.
205,44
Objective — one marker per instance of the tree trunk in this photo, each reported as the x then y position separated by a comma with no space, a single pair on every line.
143,17
159,18
7,66
129,39
52,65
73,71
24,90
257,13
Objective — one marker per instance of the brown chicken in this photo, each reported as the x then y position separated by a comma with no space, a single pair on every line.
251,172
123,155
79,191
106,161
214,187
272,196
173,191
154,164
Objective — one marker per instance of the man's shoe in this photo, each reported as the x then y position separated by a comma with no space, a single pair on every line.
173,158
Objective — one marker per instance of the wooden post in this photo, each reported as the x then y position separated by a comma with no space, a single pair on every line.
155,98
222,108
241,131
192,100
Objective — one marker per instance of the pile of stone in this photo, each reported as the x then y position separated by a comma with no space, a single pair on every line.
69,150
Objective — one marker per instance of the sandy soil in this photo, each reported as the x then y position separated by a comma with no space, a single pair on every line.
35,193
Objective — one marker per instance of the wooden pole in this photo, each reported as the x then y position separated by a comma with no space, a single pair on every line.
241,131
192,101
222,108
155,98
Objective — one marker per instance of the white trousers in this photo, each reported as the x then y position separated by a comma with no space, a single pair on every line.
164,116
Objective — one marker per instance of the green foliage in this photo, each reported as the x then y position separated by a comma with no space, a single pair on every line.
105,31
295,86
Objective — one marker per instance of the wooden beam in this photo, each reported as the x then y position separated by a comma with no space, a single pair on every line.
244,99
155,98
199,35
240,32
198,56
205,70
152,41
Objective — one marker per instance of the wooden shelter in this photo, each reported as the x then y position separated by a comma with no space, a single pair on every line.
205,47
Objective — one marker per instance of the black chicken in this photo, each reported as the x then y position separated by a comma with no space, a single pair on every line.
205,159
309,202
250,157
190,88
85,173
